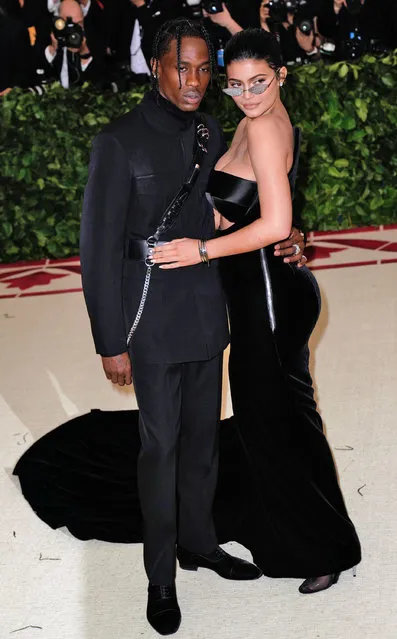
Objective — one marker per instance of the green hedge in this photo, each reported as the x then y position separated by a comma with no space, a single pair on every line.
348,174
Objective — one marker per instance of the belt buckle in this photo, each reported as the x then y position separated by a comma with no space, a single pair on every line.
151,243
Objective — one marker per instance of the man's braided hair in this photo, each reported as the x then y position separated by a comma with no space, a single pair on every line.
176,30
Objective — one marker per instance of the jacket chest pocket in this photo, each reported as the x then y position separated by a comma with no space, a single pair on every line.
159,184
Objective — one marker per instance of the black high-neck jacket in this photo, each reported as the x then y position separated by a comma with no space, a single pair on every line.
138,164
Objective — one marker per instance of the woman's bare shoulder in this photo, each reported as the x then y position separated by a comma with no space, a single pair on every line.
270,135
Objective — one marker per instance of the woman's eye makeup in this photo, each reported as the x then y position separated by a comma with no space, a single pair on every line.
237,85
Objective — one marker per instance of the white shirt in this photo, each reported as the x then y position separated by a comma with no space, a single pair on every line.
138,62
64,71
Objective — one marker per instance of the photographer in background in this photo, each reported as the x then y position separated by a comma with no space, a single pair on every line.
74,55
359,26
16,64
151,14
293,21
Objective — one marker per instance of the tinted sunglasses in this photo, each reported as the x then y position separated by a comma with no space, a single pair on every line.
257,89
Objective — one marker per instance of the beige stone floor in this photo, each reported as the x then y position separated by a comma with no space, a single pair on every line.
94,590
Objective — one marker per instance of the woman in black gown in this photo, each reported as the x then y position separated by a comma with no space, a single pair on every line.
298,523
278,492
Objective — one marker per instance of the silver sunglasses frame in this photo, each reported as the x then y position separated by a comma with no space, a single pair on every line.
235,92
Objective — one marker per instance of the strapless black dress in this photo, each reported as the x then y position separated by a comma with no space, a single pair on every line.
297,523
277,493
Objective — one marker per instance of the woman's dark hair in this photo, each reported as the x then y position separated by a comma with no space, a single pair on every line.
254,44
176,30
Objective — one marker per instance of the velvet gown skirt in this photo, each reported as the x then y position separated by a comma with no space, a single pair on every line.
295,520
278,492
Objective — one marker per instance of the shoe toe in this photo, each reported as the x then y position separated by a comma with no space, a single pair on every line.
245,570
167,622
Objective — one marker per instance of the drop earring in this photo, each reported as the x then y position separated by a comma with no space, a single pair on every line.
281,83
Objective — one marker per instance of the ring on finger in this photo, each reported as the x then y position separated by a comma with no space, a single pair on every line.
297,249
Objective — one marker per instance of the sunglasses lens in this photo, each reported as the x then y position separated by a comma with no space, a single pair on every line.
233,92
258,89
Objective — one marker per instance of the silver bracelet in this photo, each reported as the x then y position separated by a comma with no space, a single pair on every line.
203,252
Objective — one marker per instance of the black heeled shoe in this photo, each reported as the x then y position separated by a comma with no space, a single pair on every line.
163,612
220,562
317,584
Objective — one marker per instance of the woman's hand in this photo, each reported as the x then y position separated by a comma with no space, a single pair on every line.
178,253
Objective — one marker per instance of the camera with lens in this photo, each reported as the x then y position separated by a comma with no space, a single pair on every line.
67,33
303,20
210,6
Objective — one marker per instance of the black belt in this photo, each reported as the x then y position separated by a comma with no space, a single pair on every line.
139,250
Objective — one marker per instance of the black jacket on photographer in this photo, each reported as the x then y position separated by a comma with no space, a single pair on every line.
151,16
72,70
376,20
138,164
16,69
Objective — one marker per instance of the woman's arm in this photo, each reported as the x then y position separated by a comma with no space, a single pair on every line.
269,162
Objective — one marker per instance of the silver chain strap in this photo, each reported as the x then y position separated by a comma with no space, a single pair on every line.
141,305
151,243
202,133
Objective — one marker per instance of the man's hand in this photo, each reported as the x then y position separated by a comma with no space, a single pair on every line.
223,19
118,369
287,249
306,42
53,47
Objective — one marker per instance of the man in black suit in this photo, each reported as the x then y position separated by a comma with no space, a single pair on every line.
138,164
16,68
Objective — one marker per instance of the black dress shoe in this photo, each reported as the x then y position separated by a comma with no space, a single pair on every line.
220,562
163,612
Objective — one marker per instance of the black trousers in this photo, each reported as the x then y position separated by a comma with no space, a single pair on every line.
179,407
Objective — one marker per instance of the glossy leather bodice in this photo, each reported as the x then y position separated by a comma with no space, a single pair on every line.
236,198
249,278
